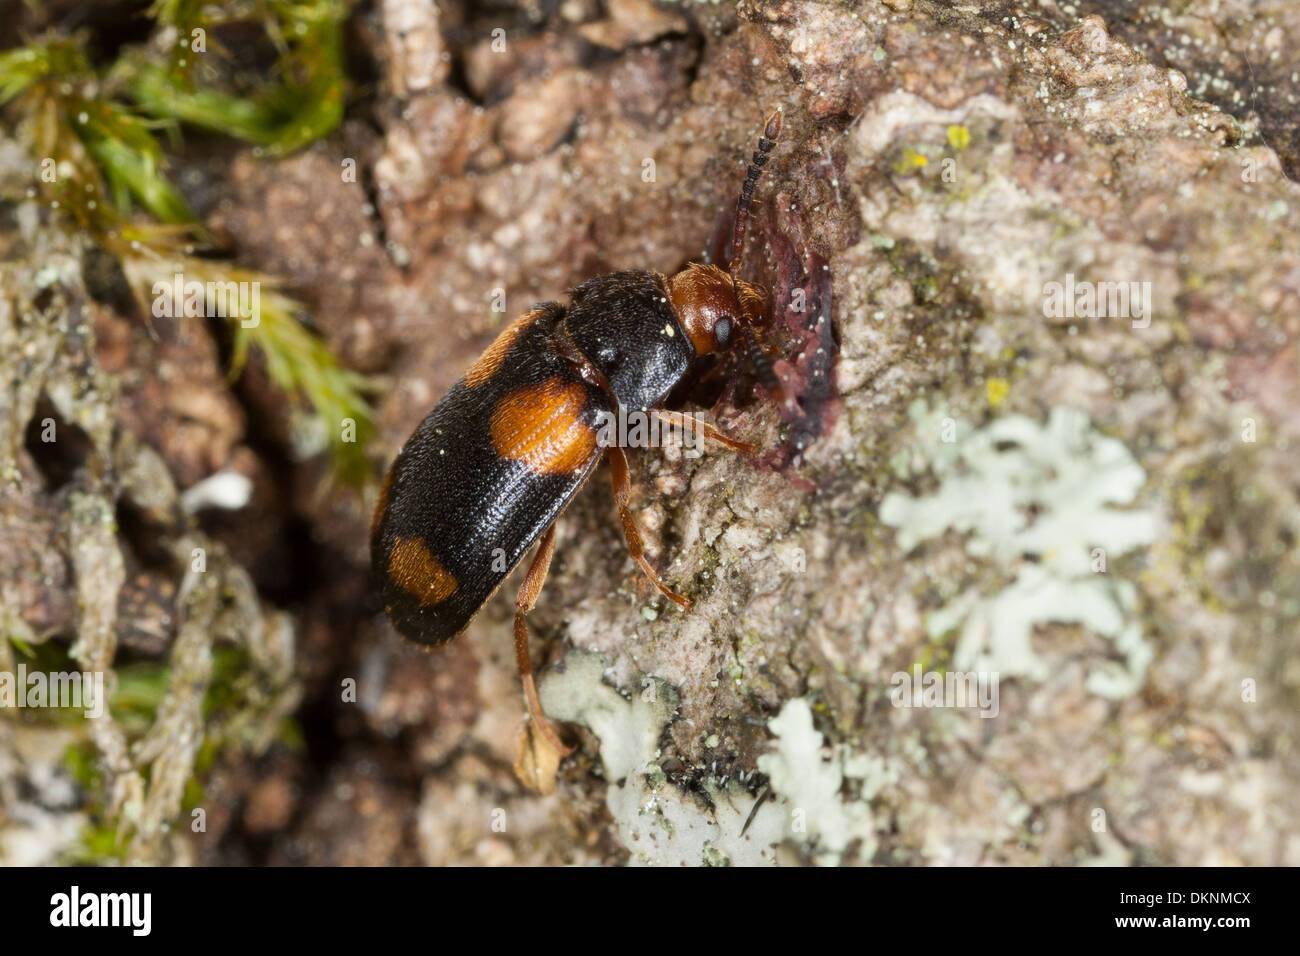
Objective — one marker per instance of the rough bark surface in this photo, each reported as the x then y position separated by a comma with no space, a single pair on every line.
940,164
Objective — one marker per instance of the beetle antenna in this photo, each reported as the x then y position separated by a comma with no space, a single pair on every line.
761,155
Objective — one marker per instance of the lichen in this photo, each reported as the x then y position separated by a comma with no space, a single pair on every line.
1041,501
659,823
810,787
809,816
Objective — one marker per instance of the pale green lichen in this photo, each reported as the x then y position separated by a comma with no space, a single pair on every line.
662,824
811,783
1041,501
659,823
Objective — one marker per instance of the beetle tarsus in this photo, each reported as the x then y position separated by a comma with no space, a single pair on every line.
683,602
538,717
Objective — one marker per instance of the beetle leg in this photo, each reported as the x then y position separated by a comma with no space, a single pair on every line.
685,422
527,597
622,496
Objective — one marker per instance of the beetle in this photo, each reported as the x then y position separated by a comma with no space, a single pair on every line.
491,467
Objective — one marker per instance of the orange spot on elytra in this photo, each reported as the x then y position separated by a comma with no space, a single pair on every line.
486,365
417,572
541,428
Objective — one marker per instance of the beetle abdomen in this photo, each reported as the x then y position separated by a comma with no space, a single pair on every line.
481,478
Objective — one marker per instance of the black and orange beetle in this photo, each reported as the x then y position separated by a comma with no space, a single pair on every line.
489,470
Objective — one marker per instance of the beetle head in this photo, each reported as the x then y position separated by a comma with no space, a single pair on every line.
719,313
712,307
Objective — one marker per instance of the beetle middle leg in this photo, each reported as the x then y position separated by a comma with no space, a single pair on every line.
528,592
683,421
622,497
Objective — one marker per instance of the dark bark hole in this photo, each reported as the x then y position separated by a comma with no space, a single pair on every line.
58,447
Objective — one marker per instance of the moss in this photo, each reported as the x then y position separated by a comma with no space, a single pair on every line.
100,842
303,100
138,763
80,762
49,657
926,288
93,134
140,689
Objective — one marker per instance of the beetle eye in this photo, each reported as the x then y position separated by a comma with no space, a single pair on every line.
722,332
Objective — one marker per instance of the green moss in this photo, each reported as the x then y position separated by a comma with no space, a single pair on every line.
50,657
80,760
303,100
100,843
93,133
141,687
291,735
196,786
228,689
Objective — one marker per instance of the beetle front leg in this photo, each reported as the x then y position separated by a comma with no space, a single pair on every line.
684,422
622,497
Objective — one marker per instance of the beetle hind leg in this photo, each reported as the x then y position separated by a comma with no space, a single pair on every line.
528,592
622,497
